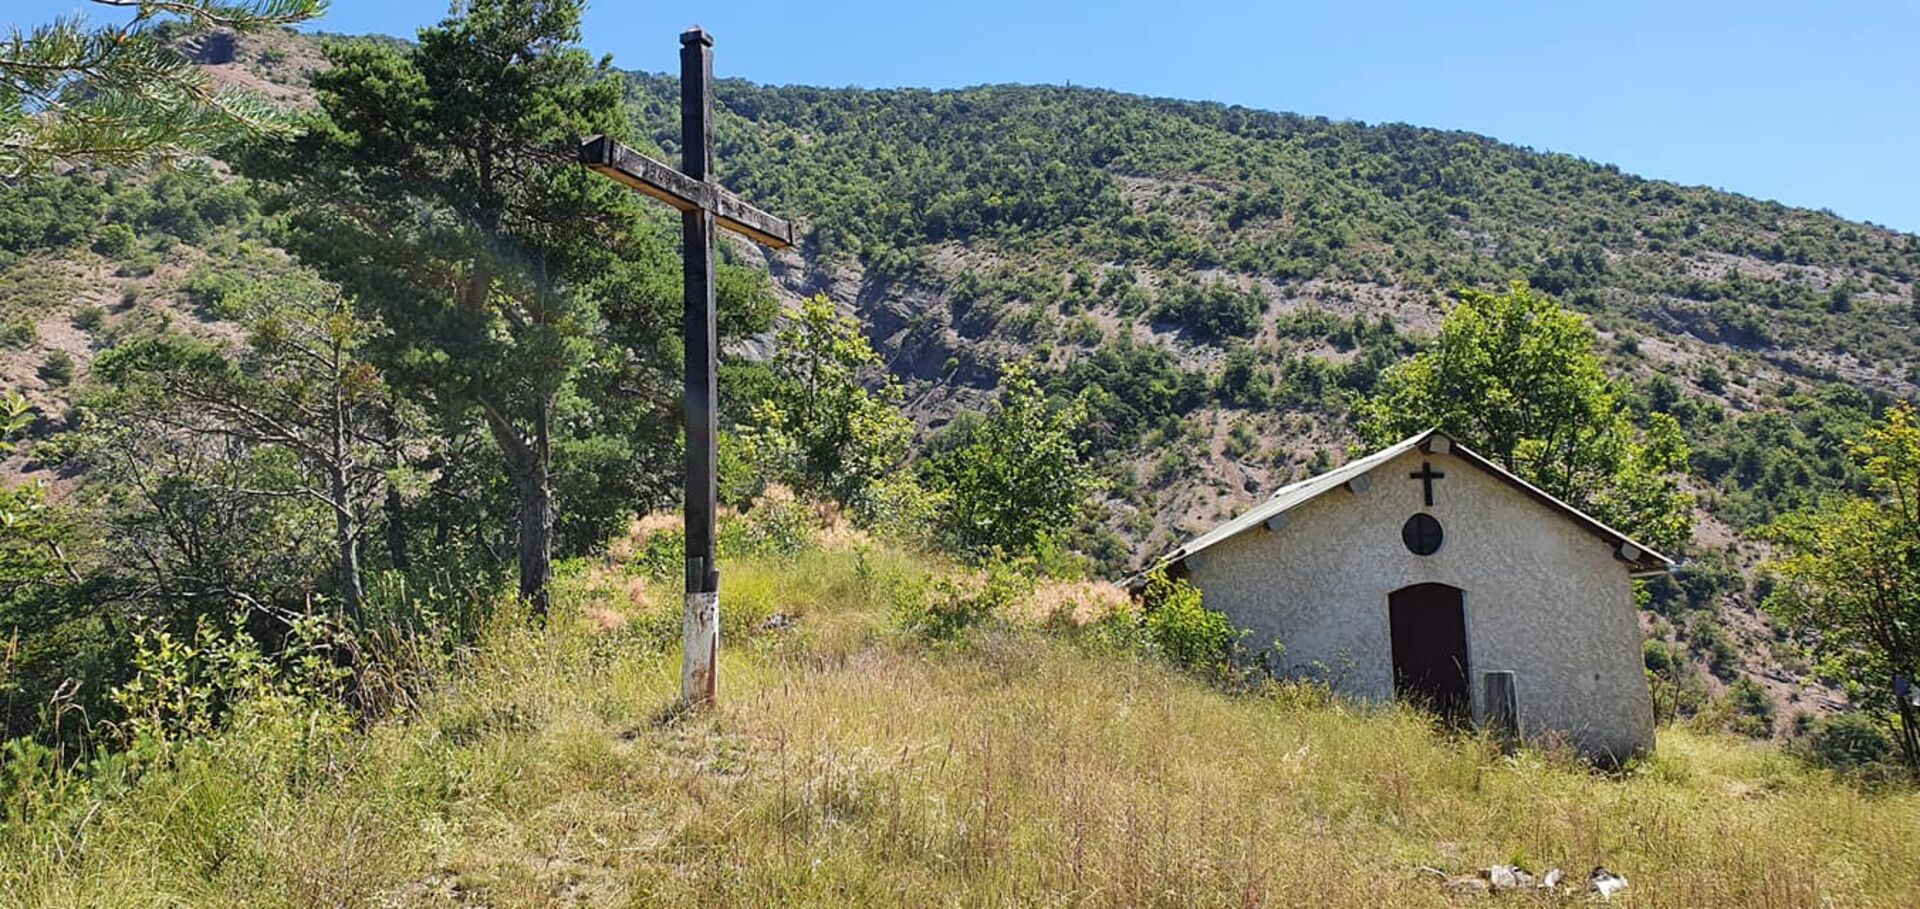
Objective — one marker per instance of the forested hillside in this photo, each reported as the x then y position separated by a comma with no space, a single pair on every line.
1220,286
1228,280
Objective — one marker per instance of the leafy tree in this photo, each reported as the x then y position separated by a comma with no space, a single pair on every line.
1018,481
301,384
119,94
1849,573
835,437
1515,377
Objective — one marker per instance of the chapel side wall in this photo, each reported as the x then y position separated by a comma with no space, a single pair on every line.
1543,597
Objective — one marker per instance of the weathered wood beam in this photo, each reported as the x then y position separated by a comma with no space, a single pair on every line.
734,214
657,179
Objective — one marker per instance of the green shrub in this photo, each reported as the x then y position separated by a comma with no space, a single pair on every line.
1849,741
57,368
898,508
663,554
775,527
1182,630
89,317
1710,640
207,288
1752,709
190,689
114,240
18,331
949,606
779,527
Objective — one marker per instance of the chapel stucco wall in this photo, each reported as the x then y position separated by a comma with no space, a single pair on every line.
1543,596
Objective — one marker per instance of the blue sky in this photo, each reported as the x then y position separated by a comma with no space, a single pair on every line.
1811,103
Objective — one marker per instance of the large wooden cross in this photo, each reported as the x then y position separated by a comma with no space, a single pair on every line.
702,204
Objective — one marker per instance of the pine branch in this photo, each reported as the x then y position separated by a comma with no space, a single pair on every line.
119,95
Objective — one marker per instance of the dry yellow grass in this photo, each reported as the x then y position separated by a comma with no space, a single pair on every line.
848,766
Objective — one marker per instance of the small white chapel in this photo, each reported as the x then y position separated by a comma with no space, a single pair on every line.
1428,573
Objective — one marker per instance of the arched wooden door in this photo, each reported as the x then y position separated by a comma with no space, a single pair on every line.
1430,648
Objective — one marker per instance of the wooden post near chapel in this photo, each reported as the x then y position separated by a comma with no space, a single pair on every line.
703,204
1502,705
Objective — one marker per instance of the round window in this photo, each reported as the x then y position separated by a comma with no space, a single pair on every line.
1422,534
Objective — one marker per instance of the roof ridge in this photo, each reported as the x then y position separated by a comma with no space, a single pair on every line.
1300,492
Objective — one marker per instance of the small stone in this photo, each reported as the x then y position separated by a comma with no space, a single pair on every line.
1508,877
1606,883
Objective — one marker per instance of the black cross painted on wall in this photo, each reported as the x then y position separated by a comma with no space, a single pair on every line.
1426,475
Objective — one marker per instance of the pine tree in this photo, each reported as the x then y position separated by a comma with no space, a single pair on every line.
440,187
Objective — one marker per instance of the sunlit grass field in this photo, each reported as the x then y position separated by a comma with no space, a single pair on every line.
850,764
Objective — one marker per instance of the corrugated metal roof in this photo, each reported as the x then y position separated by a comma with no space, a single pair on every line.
1294,495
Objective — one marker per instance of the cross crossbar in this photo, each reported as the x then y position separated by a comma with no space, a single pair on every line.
656,179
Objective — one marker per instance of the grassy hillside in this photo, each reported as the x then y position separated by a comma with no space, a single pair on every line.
851,763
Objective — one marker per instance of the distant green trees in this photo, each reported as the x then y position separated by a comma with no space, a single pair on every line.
1514,377
1848,574
1016,480
1212,312
819,428
1130,388
1007,483
119,94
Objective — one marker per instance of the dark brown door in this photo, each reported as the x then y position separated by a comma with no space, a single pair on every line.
1430,648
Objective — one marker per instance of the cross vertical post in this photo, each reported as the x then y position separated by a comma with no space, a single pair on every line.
703,205
1426,475
699,680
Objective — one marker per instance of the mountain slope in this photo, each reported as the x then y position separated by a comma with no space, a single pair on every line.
1228,281
1224,283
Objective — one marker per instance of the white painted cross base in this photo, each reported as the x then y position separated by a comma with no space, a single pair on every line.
700,649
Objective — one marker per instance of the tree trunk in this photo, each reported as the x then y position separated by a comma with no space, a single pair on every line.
536,534
535,485
1909,735
396,530
340,491
348,544
529,465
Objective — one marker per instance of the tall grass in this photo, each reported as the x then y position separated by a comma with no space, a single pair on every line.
851,764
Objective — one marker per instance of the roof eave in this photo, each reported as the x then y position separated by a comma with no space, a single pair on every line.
1647,562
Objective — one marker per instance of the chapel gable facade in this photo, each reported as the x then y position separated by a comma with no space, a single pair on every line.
1420,571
